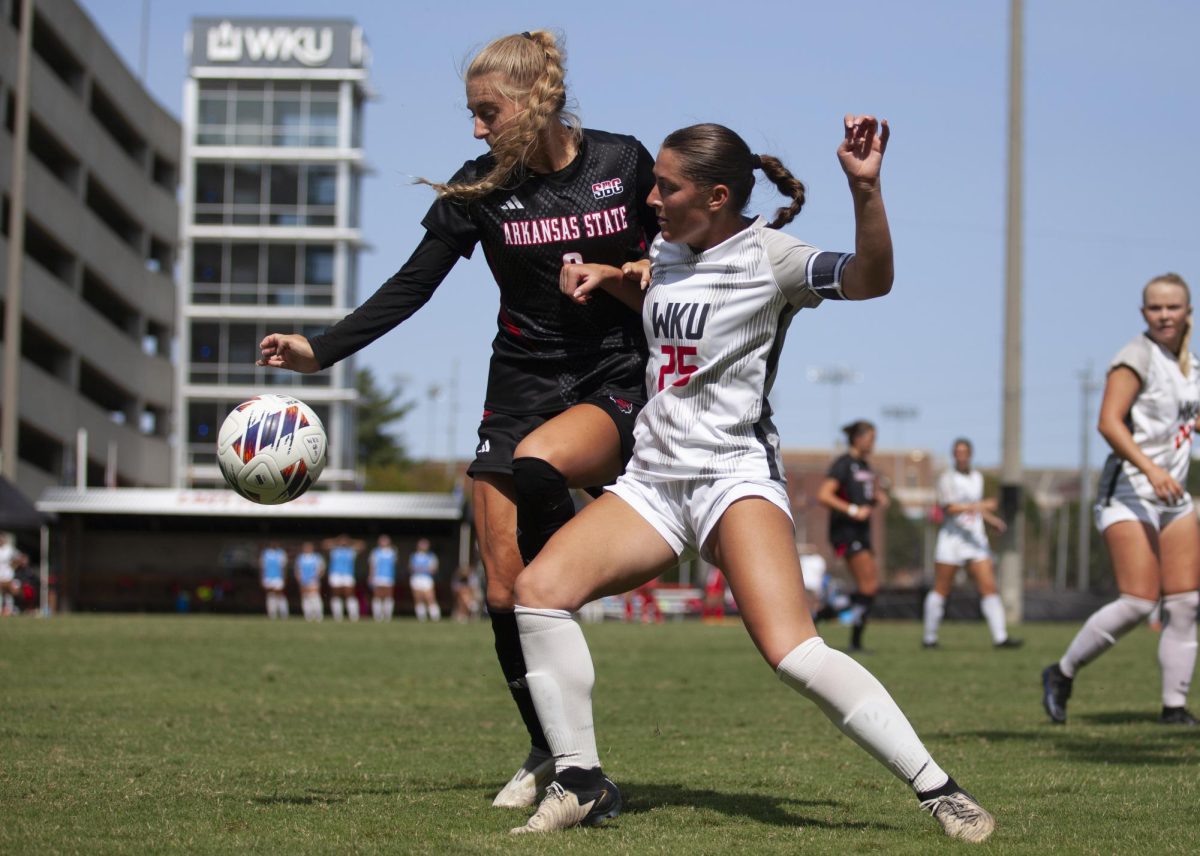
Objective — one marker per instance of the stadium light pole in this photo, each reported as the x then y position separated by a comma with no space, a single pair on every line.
898,413
16,252
1011,564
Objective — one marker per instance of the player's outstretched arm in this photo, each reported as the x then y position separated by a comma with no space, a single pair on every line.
288,351
869,274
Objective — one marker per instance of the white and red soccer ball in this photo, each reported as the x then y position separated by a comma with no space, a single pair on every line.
271,448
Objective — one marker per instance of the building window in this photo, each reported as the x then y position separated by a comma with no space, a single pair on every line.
265,194
285,113
225,352
262,273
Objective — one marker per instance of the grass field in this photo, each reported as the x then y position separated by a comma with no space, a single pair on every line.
223,735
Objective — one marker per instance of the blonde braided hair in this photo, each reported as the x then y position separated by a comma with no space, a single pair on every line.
530,70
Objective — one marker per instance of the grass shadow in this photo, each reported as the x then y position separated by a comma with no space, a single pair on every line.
1160,747
772,810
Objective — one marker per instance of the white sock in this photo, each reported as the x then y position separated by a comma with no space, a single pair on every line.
283,606
435,611
1177,646
313,609
389,606
352,607
992,608
1107,624
859,705
377,608
935,608
422,612
10,603
337,608
558,668
270,605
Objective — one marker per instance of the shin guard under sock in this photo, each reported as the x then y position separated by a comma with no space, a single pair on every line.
512,664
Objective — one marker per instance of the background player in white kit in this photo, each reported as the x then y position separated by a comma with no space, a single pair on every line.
1148,415
272,566
706,473
382,579
310,567
10,559
962,540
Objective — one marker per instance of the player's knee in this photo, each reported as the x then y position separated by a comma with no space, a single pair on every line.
535,477
538,589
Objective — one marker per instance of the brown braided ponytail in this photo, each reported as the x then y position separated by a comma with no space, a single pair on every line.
529,69
712,154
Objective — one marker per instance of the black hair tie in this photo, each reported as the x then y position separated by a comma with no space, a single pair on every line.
755,162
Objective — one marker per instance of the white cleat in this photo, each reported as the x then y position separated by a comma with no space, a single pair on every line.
562,809
961,816
531,779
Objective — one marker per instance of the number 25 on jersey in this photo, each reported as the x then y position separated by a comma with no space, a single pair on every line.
677,365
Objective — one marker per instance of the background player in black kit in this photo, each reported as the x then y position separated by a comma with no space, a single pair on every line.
850,493
566,380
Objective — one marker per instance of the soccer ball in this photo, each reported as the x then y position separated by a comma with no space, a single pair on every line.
271,448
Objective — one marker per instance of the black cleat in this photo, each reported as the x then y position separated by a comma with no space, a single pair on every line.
1056,689
930,645
1177,716
1009,643
566,805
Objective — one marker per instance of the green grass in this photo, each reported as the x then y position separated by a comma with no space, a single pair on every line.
223,735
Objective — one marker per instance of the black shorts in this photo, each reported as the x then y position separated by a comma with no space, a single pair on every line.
499,433
848,540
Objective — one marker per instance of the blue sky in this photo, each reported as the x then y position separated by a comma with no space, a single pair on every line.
1110,185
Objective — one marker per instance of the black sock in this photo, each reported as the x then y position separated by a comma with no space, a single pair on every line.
945,790
863,602
544,504
579,779
512,663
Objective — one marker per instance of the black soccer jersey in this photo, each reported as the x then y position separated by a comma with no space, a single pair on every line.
856,485
550,352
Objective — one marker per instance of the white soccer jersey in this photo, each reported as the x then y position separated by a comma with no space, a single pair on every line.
715,324
1162,417
956,488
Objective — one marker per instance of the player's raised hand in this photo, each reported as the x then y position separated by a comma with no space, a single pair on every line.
862,147
288,351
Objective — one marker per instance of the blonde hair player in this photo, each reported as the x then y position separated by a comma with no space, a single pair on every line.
962,540
565,380
707,473
1148,415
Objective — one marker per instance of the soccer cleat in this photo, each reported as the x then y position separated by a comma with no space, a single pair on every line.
1056,689
523,788
961,816
925,643
563,809
1009,642
1177,716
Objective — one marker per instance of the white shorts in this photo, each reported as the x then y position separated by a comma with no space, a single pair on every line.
955,548
1127,505
341,580
272,585
685,512
384,582
421,582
